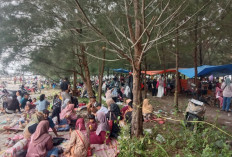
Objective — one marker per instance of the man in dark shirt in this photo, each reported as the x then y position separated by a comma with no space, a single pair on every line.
51,124
64,85
24,100
153,85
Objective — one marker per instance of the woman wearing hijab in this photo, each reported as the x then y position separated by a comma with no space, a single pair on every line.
65,104
160,86
147,109
77,146
68,113
115,115
100,136
125,108
41,144
32,125
227,94
109,102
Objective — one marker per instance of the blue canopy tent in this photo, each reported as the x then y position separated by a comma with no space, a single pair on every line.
221,70
207,70
190,72
121,70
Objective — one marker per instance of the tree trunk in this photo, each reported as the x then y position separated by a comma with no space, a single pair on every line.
101,71
195,51
74,83
145,79
137,123
87,73
177,72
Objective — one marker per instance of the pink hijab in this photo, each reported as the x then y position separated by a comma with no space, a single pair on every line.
67,111
103,124
80,124
41,133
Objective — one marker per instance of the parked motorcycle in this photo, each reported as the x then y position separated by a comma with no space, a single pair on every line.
27,89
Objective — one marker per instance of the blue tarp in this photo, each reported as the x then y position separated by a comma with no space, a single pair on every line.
121,70
207,70
221,70
190,72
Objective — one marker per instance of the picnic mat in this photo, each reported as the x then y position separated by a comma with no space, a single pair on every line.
103,150
16,128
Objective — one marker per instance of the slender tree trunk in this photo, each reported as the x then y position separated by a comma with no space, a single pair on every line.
137,124
200,49
74,83
195,51
145,79
101,71
177,72
87,73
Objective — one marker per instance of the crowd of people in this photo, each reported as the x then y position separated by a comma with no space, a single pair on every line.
104,122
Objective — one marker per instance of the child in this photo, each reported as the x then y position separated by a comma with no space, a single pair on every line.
23,121
92,124
33,103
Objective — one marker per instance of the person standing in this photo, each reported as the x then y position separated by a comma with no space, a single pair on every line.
160,86
227,94
65,86
153,86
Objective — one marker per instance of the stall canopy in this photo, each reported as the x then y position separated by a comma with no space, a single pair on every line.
221,70
156,72
121,70
207,70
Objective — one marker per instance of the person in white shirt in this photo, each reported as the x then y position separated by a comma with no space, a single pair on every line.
101,108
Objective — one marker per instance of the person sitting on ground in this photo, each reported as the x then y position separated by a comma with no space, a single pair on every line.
147,109
80,124
19,97
109,102
56,108
33,105
66,103
108,93
24,100
92,103
51,124
77,146
100,136
42,103
115,115
92,124
68,113
101,108
12,105
125,108
23,121
32,125
128,113
67,116
41,144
